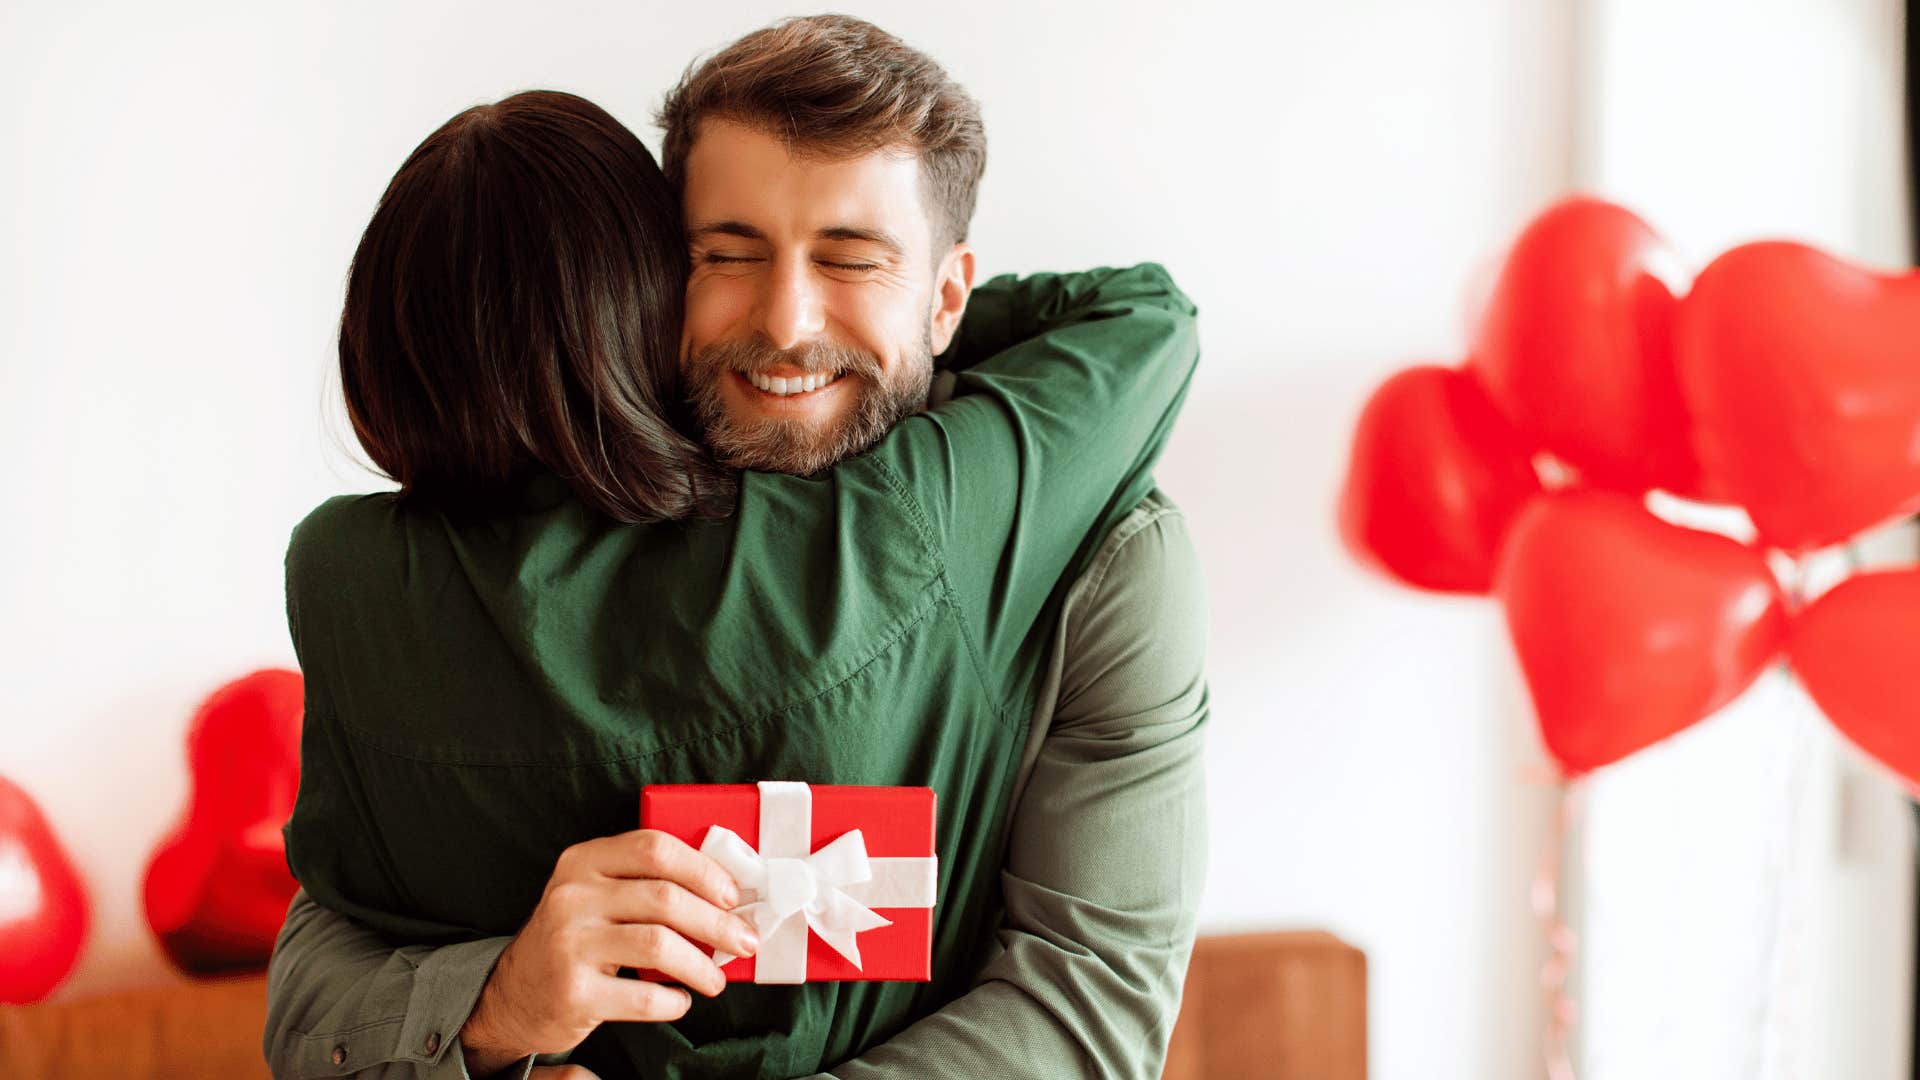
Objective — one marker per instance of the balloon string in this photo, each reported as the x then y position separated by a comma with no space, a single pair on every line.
1778,1018
1775,1043
1558,1005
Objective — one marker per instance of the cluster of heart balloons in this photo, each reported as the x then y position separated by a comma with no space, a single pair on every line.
217,887
1781,380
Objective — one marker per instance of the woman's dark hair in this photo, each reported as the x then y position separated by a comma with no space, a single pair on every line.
514,306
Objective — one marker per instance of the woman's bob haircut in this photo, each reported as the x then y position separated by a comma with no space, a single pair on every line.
514,307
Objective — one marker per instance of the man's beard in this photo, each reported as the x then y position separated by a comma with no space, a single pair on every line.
797,446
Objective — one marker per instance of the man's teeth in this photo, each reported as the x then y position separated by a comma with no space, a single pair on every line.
799,384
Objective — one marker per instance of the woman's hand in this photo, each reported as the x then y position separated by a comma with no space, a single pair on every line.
639,900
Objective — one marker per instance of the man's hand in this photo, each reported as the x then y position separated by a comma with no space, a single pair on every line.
640,900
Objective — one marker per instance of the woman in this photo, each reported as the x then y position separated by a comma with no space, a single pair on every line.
567,600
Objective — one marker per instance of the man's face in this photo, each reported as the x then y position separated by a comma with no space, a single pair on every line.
816,303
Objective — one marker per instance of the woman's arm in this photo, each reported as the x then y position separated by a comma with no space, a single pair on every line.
1046,444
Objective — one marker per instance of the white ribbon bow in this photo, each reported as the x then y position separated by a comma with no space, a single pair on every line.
789,890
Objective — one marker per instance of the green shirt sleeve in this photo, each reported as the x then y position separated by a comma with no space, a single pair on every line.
1049,442
336,987
1107,853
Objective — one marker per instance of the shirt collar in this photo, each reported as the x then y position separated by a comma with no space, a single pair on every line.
543,490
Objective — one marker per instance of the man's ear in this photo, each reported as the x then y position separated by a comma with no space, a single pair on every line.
952,284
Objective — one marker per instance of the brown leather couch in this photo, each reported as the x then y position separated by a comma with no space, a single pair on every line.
1283,1005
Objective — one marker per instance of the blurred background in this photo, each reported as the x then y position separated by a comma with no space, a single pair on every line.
183,184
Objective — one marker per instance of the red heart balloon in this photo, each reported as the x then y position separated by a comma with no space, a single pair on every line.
1576,347
1435,478
1630,629
1802,373
44,914
218,886
1855,649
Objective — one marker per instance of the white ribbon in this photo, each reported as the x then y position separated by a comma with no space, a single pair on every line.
787,888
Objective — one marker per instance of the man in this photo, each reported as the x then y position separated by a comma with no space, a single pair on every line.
828,176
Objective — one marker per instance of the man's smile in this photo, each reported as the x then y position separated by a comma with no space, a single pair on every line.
788,390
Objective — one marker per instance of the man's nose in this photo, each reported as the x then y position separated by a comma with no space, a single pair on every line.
791,310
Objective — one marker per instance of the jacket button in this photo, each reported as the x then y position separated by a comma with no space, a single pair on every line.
433,1043
339,1055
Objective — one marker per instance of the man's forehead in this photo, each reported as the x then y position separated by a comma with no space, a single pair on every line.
737,175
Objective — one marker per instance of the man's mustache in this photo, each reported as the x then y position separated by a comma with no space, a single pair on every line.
758,356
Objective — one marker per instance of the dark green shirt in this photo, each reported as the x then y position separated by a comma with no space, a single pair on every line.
1106,854
483,693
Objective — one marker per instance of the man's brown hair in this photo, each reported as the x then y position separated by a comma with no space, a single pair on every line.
838,86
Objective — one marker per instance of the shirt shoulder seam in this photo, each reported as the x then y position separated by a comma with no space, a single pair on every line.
915,514
1136,523
898,485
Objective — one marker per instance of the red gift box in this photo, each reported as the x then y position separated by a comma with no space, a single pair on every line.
850,856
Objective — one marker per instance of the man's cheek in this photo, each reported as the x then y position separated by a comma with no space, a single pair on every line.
714,307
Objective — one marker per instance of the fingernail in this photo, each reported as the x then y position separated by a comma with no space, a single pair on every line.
749,943
731,894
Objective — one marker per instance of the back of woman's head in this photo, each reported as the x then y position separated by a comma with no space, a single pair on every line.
514,306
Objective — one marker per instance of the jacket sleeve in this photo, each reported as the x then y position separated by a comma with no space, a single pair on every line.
337,987
1108,847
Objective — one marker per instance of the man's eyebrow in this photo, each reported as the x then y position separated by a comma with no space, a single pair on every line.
727,228
859,233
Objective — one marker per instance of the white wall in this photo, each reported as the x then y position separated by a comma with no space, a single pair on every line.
184,184
1749,885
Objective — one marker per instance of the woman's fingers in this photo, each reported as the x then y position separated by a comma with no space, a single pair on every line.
649,853
642,1000
659,948
671,904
